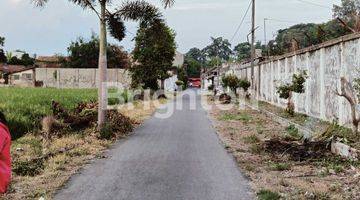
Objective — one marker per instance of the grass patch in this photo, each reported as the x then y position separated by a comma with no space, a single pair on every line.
268,195
293,132
235,117
25,107
279,166
251,139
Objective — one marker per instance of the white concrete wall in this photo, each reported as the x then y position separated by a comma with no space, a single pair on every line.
78,78
325,64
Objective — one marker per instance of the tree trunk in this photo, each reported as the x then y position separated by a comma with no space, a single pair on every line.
102,69
162,86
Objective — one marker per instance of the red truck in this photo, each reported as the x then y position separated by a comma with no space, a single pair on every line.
195,82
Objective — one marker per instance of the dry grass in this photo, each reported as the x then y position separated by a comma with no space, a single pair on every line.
329,178
71,152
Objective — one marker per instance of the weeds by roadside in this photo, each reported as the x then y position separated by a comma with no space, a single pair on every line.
277,157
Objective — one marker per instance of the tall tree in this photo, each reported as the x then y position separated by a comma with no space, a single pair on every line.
242,51
85,54
219,48
153,55
349,10
195,54
129,10
2,52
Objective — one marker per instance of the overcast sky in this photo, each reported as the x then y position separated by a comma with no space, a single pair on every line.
50,30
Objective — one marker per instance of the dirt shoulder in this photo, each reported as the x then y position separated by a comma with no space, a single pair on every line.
61,157
278,164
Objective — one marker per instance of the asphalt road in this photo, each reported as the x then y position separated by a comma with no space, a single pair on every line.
177,158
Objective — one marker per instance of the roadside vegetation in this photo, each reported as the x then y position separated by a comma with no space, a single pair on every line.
280,162
56,134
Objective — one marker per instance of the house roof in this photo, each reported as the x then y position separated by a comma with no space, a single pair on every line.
11,69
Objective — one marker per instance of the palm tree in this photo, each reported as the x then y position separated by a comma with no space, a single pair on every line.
138,10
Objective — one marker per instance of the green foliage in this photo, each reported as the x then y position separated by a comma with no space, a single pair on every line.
25,116
231,81
196,55
293,132
193,68
297,85
348,10
279,166
3,58
251,139
238,117
219,48
25,60
284,91
31,167
244,84
85,54
268,195
154,54
179,83
182,76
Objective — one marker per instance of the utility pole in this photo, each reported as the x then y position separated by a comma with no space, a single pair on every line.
252,44
265,37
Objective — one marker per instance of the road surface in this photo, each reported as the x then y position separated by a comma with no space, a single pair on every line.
178,158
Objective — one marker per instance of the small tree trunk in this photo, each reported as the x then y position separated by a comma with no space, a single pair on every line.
290,105
162,85
102,69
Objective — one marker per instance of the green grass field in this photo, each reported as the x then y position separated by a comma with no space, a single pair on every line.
25,107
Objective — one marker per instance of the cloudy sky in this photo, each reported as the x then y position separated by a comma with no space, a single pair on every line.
50,30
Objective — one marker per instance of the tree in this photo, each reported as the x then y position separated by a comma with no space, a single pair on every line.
25,60
242,51
130,10
231,81
85,54
193,68
219,48
153,55
2,52
195,54
297,85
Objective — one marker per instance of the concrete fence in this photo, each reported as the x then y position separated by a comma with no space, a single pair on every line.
325,65
87,78
78,77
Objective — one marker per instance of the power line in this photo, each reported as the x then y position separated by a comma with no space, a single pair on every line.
241,23
315,4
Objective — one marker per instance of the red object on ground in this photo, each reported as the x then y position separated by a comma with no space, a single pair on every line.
195,82
5,160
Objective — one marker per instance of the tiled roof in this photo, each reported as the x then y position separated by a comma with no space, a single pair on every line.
10,69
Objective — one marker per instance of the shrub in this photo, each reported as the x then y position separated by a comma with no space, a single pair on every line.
230,81
244,84
179,83
297,85
28,167
118,125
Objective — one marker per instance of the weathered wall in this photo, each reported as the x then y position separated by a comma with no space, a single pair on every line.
325,64
78,78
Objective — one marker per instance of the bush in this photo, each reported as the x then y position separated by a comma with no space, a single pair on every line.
244,84
230,81
179,83
28,167
118,125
